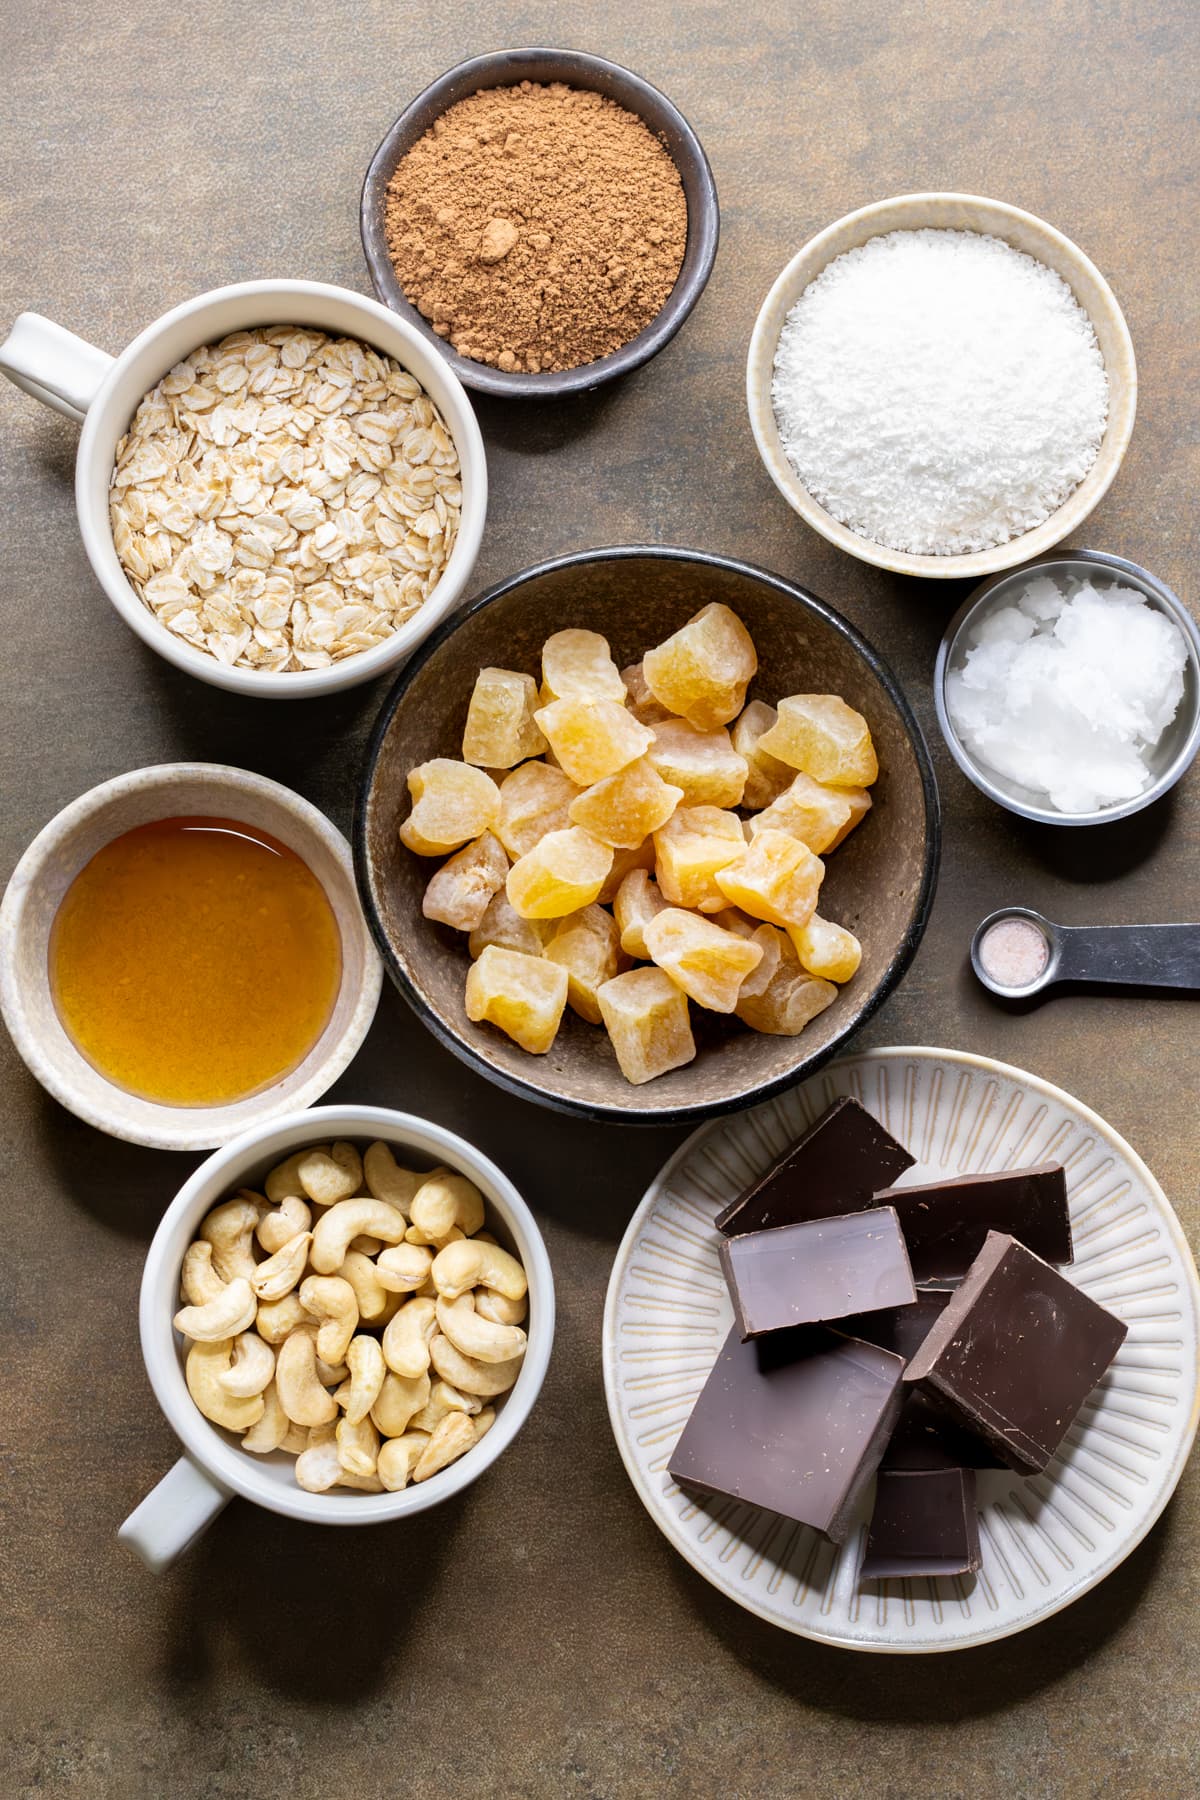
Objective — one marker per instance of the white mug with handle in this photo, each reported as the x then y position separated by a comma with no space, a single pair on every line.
103,392
213,1467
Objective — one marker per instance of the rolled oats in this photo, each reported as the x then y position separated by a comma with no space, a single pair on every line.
284,500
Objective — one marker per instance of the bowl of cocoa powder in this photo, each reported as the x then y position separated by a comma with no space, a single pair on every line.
546,218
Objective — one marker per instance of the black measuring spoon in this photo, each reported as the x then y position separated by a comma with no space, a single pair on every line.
1016,953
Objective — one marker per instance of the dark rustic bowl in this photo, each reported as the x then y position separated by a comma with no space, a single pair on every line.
504,68
880,883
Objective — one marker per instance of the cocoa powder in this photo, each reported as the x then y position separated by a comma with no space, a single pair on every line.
537,227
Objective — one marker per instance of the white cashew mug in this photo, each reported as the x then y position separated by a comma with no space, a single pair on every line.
213,1467
103,392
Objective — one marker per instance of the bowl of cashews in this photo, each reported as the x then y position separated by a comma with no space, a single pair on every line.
346,1316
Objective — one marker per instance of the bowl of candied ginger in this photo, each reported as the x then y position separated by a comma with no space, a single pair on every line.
646,834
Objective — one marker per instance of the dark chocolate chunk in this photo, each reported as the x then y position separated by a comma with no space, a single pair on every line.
795,1422
927,1435
839,1163
823,1269
924,1523
946,1222
1016,1352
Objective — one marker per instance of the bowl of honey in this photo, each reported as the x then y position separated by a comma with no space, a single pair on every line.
183,956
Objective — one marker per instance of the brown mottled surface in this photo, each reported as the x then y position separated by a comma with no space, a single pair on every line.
537,1637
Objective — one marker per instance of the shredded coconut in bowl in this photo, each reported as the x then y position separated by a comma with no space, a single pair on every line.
939,392
1068,691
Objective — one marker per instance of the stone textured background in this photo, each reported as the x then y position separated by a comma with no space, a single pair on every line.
537,1637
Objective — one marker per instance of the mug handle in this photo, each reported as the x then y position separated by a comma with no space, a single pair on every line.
172,1516
53,365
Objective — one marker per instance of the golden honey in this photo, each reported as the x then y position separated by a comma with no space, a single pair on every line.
195,961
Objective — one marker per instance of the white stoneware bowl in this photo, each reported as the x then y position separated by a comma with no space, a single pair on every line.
104,392
1045,1541
46,871
947,212
213,1467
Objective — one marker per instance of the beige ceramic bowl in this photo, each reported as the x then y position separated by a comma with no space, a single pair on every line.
948,212
51,863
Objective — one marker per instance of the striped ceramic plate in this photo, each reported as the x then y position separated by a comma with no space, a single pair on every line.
1045,1541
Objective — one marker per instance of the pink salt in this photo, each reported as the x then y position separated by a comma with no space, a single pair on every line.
1014,952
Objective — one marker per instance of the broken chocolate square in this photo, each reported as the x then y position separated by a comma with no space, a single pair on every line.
946,1222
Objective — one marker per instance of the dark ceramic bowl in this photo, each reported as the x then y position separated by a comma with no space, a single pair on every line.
504,68
880,883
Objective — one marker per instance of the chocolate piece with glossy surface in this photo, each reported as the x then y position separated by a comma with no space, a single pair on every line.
924,1523
819,1270
1016,1352
946,1222
795,1422
927,1434
836,1167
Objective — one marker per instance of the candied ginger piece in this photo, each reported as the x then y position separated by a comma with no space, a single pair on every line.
578,665
709,964
452,803
500,729
524,996
588,947
625,808
642,703
808,810
823,737
774,946
704,764
592,739
790,998
623,861
561,874
503,926
859,802
702,671
646,1016
766,776
637,902
777,879
826,949
694,843
534,799
463,888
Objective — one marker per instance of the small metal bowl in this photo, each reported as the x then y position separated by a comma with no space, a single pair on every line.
505,68
1179,743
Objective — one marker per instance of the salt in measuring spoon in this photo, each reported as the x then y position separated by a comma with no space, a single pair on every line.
1016,953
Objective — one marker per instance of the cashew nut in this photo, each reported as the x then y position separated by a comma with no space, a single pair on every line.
472,1263
253,1366
301,1395
328,1176
482,1422
470,1377
386,1180
318,1470
502,1311
406,1340
284,1180
275,1229
295,1440
398,1457
230,1312
415,1235
358,1446
206,1363
198,1280
454,1435
369,1246
443,1399
404,1268
229,1228
279,1274
376,1303
332,1301
446,1200
364,1359
271,1430
277,1319
399,1399
476,1336
347,1219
